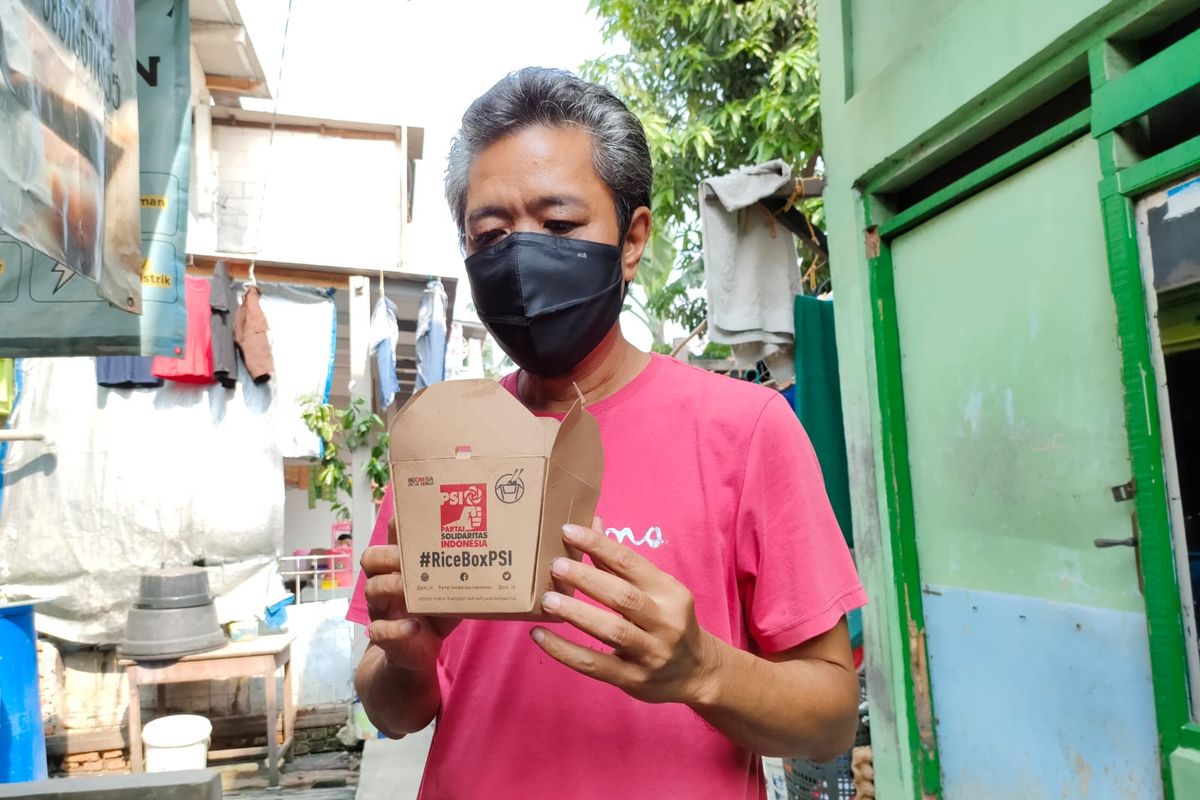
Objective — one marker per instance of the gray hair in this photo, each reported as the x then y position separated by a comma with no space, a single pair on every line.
555,98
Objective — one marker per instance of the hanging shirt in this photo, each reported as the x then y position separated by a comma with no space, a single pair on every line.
126,372
714,481
431,335
385,334
750,266
193,362
250,334
222,303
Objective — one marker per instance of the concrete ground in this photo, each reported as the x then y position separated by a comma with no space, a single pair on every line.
391,768
316,776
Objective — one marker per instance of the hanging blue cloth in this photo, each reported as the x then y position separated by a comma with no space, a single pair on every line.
385,333
431,335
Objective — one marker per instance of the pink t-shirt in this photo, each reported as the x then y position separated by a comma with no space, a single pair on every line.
713,480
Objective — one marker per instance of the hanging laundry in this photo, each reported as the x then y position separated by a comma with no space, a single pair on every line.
193,362
222,303
8,386
250,334
818,401
385,334
126,372
750,265
431,335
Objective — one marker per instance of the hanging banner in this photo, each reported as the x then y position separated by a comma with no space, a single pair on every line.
69,150
46,308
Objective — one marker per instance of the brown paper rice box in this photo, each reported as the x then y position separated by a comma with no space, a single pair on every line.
482,489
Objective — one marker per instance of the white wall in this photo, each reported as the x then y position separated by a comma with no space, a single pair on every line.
329,200
304,527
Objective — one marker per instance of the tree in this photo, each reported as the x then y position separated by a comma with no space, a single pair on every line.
717,84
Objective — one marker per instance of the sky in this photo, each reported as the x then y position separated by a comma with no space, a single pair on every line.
420,63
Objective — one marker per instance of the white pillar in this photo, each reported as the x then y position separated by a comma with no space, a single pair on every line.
362,509
402,146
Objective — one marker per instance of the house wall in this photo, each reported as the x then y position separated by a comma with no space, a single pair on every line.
906,87
305,527
343,194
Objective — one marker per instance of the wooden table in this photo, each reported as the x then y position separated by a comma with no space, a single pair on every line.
253,658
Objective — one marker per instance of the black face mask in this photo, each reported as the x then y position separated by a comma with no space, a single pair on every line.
548,300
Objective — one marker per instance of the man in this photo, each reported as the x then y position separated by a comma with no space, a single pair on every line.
343,547
708,625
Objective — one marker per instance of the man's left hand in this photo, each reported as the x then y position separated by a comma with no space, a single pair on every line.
660,653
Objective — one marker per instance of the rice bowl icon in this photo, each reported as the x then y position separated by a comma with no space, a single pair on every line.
510,488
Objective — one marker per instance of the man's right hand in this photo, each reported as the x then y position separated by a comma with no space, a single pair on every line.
409,642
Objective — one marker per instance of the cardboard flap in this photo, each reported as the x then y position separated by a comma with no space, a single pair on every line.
577,448
478,414
550,433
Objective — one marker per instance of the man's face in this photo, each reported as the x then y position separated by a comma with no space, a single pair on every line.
538,180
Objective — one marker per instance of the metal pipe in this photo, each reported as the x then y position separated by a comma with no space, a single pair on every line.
22,436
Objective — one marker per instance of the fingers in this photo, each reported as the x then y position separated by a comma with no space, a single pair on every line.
609,555
601,666
384,593
627,639
381,559
409,644
392,631
385,596
609,590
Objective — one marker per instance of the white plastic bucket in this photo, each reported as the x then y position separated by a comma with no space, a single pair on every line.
176,742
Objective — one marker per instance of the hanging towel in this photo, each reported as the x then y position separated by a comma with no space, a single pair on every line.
385,334
222,303
750,266
192,362
819,401
250,334
431,335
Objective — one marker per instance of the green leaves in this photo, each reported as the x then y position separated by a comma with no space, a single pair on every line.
717,85
346,430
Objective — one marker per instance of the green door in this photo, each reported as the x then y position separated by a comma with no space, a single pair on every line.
1036,637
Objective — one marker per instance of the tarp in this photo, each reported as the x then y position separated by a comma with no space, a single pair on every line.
132,479
47,309
69,154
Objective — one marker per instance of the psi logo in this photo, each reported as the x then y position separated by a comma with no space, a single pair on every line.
464,507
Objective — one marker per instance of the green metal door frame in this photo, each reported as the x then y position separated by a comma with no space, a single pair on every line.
922,742
1122,93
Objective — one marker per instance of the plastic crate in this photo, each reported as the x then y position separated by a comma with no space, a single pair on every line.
808,780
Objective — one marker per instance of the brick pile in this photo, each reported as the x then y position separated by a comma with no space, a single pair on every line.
107,761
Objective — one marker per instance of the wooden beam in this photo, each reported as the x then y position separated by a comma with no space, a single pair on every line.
239,269
322,130
228,83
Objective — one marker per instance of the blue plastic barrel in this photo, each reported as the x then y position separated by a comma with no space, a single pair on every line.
22,738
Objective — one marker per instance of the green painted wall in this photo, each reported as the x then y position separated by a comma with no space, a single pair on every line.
942,82
1012,381
906,86
875,47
